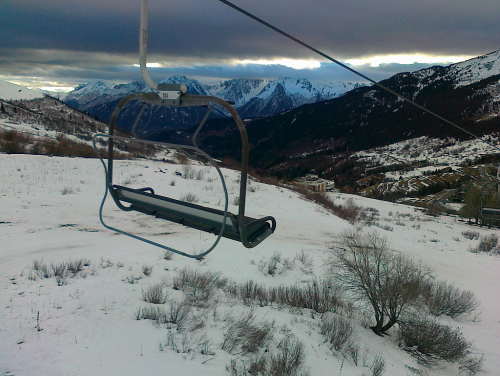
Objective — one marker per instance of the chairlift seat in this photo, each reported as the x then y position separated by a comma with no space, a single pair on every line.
192,215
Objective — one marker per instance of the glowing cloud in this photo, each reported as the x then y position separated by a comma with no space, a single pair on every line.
375,61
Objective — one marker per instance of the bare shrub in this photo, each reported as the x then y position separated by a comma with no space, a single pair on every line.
428,340
305,259
390,284
486,244
172,183
147,270
338,332
188,171
67,191
154,294
199,286
59,269
200,174
157,314
289,359
245,335
471,235
447,299
471,365
168,255
275,264
42,270
251,291
177,313
384,227
189,197
378,366
318,295
75,266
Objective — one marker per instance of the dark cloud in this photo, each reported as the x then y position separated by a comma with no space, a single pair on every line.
205,31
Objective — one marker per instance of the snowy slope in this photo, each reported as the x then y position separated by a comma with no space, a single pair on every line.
48,212
475,70
10,91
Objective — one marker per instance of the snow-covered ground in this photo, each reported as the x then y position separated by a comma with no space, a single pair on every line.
445,152
49,212
10,91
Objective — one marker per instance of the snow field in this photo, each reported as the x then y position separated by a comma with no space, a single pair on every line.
49,211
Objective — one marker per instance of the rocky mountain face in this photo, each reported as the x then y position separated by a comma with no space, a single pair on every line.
253,98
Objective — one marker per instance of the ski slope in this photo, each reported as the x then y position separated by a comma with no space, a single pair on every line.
49,212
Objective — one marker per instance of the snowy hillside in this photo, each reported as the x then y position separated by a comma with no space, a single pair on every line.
436,152
10,91
475,70
89,322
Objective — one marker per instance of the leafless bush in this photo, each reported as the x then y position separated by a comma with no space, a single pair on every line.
154,294
75,266
252,291
168,255
471,235
67,191
275,264
41,270
189,197
384,227
147,270
471,365
188,171
289,360
307,262
486,244
390,284
245,335
172,183
428,340
447,299
338,332
157,314
59,269
178,313
199,286
318,295
200,174
378,366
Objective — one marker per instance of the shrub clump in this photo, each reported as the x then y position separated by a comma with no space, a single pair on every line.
199,286
245,335
429,341
288,360
338,332
486,244
471,235
447,299
154,294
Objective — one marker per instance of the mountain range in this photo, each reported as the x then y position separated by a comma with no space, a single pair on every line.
253,98
466,93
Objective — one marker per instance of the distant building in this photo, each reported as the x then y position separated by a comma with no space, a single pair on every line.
314,183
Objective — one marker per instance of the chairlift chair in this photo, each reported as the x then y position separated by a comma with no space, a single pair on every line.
249,231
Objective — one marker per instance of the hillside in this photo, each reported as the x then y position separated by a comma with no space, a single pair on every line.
89,321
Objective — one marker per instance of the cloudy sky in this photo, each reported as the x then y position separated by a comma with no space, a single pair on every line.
57,43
